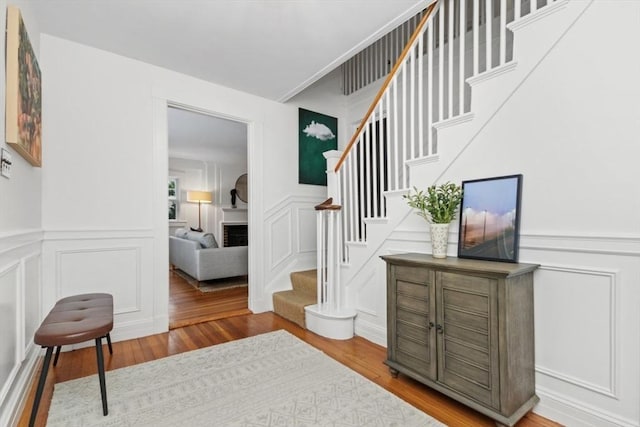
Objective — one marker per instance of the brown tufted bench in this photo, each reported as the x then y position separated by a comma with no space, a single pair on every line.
74,320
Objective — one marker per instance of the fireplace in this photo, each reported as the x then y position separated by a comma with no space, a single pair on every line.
235,235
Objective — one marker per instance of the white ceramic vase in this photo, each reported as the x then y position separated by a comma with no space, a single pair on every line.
439,239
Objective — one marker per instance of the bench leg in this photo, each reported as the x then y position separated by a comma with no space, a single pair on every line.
103,386
41,382
109,343
55,359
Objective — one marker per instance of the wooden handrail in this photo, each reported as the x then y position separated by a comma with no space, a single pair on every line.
328,205
386,84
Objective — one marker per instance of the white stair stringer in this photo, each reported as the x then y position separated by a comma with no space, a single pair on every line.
534,38
377,232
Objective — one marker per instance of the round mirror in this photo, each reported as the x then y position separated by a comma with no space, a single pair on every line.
241,188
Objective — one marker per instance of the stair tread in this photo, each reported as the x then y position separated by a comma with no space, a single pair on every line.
295,297
305,281
290,305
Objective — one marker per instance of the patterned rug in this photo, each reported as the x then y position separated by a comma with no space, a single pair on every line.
215,284
268,380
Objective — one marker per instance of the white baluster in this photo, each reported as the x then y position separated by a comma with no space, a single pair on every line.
330,257
388,139
374,167
517,7
403,70
534,5
430,78
441,64
352,197
462,53
412,100
489,33
396,159
367,170
382,172
476,38
420,95
450,65
319,257
337,269
362,193
503,31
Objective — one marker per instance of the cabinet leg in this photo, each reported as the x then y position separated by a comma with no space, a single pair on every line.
394,372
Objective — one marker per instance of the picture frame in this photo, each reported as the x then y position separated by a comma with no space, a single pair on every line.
317,133
490,219
173,196
23,99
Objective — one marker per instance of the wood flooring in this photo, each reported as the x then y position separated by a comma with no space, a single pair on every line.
188,306
357,353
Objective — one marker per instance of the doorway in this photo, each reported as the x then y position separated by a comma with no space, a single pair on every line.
207,157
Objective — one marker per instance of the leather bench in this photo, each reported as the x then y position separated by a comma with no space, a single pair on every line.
73,320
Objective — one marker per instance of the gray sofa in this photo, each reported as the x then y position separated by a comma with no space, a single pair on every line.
188,254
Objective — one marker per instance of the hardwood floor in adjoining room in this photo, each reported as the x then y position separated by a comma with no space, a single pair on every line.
357,353
188,306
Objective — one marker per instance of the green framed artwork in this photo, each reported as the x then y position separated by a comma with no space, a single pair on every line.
317,133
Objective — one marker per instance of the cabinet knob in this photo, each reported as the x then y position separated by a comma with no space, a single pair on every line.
431,325
440,329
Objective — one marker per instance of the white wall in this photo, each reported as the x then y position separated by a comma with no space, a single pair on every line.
105,117
571,128
20,256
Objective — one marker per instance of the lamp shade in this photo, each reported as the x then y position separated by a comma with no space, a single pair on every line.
199,196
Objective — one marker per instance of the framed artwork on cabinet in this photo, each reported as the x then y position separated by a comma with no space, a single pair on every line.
490,219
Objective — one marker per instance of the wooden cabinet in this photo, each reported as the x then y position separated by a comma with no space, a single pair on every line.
464,328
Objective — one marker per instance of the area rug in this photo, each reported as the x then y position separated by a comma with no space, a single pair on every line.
273,379
215,284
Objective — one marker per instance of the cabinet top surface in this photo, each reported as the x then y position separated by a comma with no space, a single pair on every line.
426,260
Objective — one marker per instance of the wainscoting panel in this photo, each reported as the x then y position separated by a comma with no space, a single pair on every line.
280,239
306,229
94,270
9,326
119,262
20,288
586,319
32,298
582,348
290,241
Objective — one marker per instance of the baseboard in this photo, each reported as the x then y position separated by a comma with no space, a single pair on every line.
572,413
11,409
371,332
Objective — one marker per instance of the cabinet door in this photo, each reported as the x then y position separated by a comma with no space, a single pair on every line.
412,336
468,359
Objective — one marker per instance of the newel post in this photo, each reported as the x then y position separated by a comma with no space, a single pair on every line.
333,187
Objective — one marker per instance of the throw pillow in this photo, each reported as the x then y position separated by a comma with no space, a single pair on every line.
181,233
206,240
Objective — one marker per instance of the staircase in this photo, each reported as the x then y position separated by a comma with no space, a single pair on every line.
290,304
456,71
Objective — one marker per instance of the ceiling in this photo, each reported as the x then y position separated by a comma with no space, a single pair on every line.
270,48
199,136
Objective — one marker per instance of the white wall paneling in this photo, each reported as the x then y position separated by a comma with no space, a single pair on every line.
280,239
10,326
582,348
32,297
20,287
291,239
306,223
83,262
